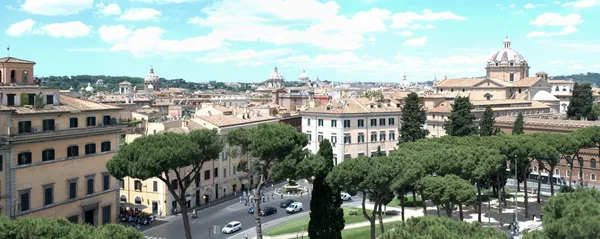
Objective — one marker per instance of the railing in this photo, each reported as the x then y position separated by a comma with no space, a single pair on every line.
38,129
37,132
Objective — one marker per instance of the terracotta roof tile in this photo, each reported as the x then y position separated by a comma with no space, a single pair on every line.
231,120
526,82
67,104
464,82
560,82
15,60
354,106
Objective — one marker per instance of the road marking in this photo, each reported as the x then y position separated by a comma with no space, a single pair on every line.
149,237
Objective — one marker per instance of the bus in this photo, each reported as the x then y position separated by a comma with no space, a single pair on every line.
556,179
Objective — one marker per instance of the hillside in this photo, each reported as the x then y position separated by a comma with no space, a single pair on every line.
588,77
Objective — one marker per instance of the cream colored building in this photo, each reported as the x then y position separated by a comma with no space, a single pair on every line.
354,126
54,150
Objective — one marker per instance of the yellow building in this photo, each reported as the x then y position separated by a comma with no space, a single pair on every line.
53,151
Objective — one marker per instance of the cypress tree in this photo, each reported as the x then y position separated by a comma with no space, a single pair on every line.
486,123
581,103
412,119
461,121
518,125
326,214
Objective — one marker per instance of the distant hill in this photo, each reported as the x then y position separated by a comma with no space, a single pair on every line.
589,77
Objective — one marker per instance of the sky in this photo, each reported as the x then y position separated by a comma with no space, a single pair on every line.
343,40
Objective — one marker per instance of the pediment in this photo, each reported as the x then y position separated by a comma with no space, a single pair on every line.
489,83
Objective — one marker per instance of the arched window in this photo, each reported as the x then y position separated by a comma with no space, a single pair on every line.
25,76
123,198
0,76
13,76
593,163
568,173
138,200
556,171
535,169
580,175
593,177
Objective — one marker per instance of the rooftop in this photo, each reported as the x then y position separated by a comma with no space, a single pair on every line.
354,106
231,120
15,60
67,105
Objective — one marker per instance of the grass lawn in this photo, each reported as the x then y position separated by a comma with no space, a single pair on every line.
408,202
362,232
295,225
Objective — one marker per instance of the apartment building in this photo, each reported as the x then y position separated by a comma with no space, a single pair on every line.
354,126
54,150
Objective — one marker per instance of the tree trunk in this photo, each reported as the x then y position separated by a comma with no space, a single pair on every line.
424,206
551,176
526,193
186,220
438,210
539,189
370,218
478,202
449,210
414,198
460,211
402,204
570,172
495,191
380,220
504,195
580,171
257,198
500,195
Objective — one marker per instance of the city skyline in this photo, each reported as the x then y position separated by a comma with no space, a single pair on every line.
235,41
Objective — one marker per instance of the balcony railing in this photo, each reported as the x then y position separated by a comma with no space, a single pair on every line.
16,133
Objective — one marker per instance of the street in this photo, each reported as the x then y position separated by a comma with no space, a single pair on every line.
220,215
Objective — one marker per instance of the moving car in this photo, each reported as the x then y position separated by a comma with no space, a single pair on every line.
345,196
232,227
267,211
286,203
294,207
251,210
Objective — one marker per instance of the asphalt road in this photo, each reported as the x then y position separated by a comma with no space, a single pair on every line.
220,215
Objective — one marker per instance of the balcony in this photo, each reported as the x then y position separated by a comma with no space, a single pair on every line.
37,133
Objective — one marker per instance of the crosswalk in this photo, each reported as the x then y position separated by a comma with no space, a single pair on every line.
150,237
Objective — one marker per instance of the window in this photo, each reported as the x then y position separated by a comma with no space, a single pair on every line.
347,139
361,138
374,137
48,155
105,146
106,214
24,158
224,156
361,154
216,173
24,127
580,175
10,99
155,185
207,175
320,122
568,173
48,125
73,219
122,182
593,177
346,123
382,136
382,122
72,151
347,156
72,189
91,121
320,138
224,172
309,137
174,184
73,122
24,201
105,181
519,91
391,121
31,99
361,123
90,148
106,120
49,99
392,135
373,122
48,195
557,172
333,123
137,185
592,163
308,122
1,163
90,185
333,140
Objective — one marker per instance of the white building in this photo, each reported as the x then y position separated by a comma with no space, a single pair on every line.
562,89
354,126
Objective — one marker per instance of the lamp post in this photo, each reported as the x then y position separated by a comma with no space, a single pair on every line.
490,207
516,223
207,192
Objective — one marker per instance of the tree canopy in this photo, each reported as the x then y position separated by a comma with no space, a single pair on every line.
581,102
486,123
518,124
429,227
461,119
41,227
412,119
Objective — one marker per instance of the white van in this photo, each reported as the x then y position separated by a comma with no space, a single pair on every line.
294,207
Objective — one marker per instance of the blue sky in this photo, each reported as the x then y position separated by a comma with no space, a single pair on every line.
344,40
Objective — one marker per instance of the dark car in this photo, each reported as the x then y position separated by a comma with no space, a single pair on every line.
286,203
267,211
251,210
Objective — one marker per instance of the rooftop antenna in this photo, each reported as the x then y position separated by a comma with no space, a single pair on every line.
8,50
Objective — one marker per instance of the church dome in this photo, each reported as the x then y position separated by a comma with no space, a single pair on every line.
89,88
543,95
303,76
150,87
275,75
507,55
151,77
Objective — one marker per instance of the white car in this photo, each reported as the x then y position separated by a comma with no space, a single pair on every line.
294,207
345,196
232,227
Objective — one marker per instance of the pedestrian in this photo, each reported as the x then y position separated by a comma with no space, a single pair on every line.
273,196
301,194
246,235
281,195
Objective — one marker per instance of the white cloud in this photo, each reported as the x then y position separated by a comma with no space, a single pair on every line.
511,6
417,41
10,7
565,31
557,62
164,1
555,19
517,12
581,3
576,67
149,41
250,57
529,6
406,19
139,14
67,29
597,66
405,33
20,28
110,9
56,7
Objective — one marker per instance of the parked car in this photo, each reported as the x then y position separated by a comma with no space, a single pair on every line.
232,227
251,210
294,207
345,196
267,211
286,203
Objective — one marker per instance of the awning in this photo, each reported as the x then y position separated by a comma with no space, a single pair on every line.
131,205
